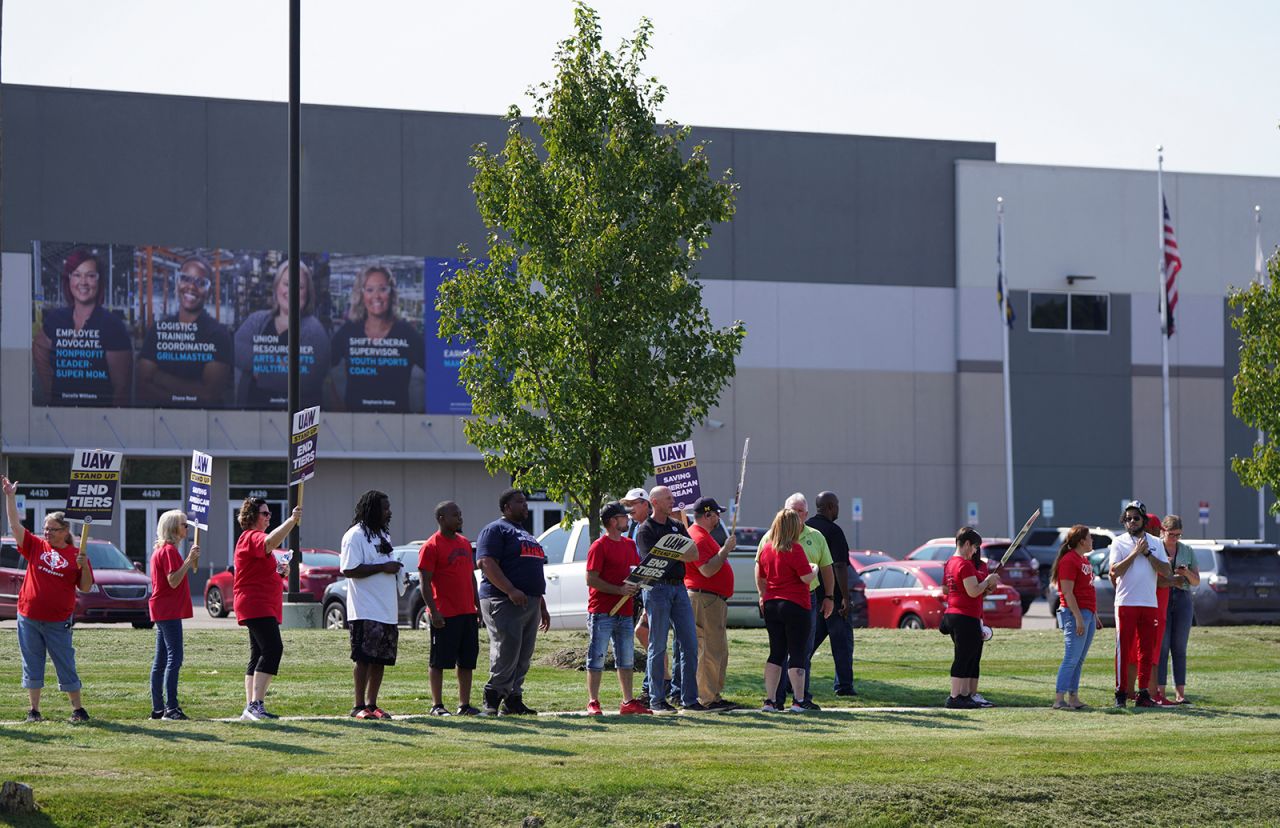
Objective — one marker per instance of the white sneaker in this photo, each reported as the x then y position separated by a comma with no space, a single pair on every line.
981,701
250,713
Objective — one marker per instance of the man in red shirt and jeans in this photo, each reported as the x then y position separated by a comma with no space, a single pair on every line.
709,581
609,562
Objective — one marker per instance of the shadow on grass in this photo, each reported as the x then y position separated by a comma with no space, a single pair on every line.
278,747
535,750
166,733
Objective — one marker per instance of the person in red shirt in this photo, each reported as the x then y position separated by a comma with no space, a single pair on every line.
609,561
446,563
258,599
170,602
783,574
46,603
963,617
709,581
1078,614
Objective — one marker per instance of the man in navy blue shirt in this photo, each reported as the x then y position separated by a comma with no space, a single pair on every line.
512,587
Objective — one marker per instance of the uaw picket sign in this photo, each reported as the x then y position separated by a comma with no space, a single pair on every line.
657,563
95,477
198,486
676,467
302,458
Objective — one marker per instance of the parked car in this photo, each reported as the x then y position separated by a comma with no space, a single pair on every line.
909,595
860,559
1019,572
1239,582
119,593
412,606
1043,544
319,568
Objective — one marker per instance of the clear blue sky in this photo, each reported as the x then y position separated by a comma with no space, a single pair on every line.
1087,83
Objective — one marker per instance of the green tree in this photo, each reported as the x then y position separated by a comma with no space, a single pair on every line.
1256,399
591,342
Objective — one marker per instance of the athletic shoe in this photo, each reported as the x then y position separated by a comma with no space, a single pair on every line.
593,708
355,711
492,701
661,706
33,715
1145,700
961,703
768,707
157,714
1163,702
514,705
379,713
365,713
440,710
696,707
643,698
849,692
805,705
1120,699
263,713
980,701
79,715
175,715
634,708
467,710
250,713
1184,701
797,708
723,706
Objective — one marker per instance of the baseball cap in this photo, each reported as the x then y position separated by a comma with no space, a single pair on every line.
611,511
636,494
706,505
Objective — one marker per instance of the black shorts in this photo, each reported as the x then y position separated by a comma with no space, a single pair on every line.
456,644
373,642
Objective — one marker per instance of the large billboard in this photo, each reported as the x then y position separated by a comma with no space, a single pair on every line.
169,327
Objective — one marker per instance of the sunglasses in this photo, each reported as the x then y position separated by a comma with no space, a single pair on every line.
1134,519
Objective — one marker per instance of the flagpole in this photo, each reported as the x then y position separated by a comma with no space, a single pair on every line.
1164,334
1257,268
1004,328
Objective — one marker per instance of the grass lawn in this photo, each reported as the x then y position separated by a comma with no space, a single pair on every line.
1019,764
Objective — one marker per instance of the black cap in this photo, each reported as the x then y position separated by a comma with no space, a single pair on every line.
611,511
706,505
1135,504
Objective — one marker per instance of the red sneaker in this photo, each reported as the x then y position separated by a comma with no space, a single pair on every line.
593,708
1163,702
379,713
365,713
634,707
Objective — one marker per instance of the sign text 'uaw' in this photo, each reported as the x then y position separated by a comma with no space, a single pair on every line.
675,467
95,478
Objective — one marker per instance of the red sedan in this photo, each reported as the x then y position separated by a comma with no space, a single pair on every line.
319,569
909,595
863,558
1020,572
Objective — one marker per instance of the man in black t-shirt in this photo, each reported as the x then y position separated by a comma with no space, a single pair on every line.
838,627
667,604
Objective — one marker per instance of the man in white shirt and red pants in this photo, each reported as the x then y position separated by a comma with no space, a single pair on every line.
1136,559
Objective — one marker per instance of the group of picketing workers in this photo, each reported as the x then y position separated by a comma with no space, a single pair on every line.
801,598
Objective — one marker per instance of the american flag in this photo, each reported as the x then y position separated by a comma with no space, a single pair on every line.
1172,265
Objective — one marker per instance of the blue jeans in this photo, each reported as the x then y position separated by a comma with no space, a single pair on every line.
168,661
668,606
36,639
1177,629
815,612
1075,648
601,628
840,632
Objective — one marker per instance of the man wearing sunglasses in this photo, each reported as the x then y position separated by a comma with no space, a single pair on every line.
186,357
1137,558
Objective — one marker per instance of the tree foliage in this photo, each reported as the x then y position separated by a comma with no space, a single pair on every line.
591,342
1256,399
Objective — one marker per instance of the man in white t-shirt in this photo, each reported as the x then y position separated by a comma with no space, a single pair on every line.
1136,559
372,574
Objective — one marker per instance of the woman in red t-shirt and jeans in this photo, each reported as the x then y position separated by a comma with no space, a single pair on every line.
259,599
170,602
963,617
1077,615
783,575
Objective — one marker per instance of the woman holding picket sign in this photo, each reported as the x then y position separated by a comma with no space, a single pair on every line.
170,602
55,570
259,599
